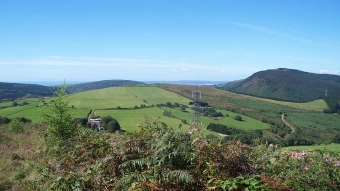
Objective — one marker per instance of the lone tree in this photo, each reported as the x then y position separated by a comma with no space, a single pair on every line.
110,123
60,129
238,118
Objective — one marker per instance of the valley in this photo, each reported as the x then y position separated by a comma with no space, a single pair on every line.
155,121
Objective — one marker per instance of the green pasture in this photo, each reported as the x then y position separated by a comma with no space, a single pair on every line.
34,111
316,105
124,97
28,99
320,121
9,103
12,110
247,123
6,104
333,147
263,106
280,106
129,119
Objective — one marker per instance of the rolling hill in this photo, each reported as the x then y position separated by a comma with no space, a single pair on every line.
99,85
16,90
124,97
288,85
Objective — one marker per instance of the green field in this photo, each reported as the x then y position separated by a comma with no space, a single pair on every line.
34,112
247,123
316,105
129,119
320,121
334,147
6,104
13,110
124,97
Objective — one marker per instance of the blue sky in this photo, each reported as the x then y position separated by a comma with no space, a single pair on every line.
57,40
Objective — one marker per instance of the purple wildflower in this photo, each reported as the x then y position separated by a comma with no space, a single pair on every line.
200,144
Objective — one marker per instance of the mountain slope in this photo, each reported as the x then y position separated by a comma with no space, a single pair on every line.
16,90
99,85
288,85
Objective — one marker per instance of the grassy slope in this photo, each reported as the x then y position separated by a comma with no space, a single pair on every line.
124,97
6,104
320,121
217,97
13,110
334,147
316,105
129,119
34,111
247,123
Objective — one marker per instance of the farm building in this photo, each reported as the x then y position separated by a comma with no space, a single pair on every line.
95,122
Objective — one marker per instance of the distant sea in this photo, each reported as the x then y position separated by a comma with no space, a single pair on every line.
182,82
188,82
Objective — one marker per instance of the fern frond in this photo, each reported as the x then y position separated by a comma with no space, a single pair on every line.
140,163
127,180
179,176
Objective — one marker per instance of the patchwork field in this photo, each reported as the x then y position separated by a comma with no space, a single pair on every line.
106,101
129,119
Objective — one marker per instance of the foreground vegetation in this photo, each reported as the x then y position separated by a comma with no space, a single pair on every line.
157,157
60,155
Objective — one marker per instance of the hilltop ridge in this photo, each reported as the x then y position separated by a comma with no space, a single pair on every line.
17,90
99,85
287,85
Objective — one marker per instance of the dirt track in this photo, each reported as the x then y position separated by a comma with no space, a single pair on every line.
286,122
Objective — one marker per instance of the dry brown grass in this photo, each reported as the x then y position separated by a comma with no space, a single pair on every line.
21,154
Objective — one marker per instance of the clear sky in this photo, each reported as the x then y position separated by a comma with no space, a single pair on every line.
90,40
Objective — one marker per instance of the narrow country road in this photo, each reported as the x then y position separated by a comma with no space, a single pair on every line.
286,122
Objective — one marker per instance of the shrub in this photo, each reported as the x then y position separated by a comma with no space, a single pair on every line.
4,120
238,118
16,126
